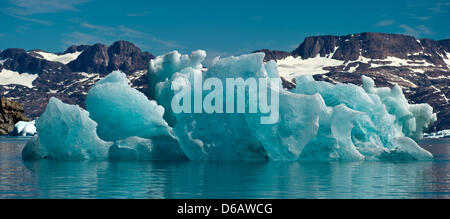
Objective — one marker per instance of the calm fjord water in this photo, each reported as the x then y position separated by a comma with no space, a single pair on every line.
188,179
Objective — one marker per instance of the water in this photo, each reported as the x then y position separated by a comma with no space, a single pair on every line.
94,179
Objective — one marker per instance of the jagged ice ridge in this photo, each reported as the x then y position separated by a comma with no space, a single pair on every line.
317,120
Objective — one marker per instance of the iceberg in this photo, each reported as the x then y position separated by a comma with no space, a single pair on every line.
24,128
412,118
120,121
122,111
65,132
384,115
204,136
318,120
406,149
162,68
315,121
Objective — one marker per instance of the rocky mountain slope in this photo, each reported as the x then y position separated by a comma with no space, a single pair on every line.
420,66
32,77
10,113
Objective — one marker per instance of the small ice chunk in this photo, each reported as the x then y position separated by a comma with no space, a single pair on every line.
24,128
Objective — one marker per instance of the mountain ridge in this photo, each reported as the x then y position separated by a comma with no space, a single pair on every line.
325,44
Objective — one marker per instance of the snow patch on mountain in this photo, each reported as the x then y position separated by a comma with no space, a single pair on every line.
353,69
8,77
2,61
64,58
291,67
447,60
397,62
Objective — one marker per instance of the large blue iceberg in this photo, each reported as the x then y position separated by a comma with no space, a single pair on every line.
315,121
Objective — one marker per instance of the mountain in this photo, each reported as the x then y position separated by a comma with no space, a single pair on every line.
32,77
421,67
121,55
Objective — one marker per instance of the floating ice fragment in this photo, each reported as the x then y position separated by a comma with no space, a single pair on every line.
24,128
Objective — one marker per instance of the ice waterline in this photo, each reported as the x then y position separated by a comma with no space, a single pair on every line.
315,121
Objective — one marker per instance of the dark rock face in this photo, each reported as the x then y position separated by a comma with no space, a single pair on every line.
94,59
10,113
445,44
121,55
312,46
76,48
273,54
126,57
423,74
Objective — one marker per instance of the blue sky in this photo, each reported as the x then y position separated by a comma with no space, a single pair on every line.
220,27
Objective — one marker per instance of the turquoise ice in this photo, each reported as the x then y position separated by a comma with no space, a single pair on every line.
316,120
66,132
122,111
120,119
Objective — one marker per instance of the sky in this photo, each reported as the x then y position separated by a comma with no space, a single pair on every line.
224,28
